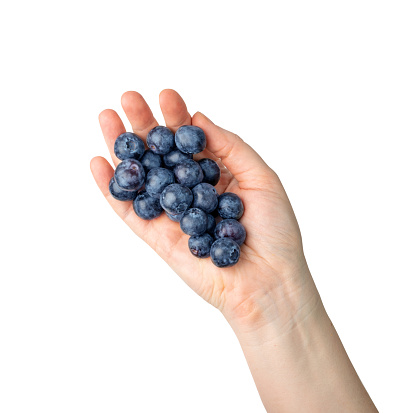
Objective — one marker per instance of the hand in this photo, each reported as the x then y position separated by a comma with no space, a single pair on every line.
294,353
272,264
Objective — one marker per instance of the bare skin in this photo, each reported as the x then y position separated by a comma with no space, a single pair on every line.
269,298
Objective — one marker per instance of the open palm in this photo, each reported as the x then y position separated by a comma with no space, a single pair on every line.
272,252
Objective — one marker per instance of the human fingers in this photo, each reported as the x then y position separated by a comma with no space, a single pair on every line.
240,159
174,109
138,113
111,126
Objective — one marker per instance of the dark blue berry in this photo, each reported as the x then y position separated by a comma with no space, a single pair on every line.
119,194
129,175
205,197
176,199
211,224
160,140
230,206
128,145
211,171
146,206
174,157
190,139
225,252
194,222
150,160
230,228
200,245
157,180
188,173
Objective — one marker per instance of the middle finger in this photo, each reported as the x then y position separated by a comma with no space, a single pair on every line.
138,113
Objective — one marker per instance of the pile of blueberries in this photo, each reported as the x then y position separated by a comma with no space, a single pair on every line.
165,177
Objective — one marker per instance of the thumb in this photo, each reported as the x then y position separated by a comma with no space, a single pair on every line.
240,158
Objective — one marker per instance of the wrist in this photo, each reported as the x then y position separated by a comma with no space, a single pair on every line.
279,307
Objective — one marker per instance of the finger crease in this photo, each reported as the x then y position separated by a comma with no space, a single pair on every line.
145,127
181,123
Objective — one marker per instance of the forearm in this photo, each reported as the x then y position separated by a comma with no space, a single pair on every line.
297,360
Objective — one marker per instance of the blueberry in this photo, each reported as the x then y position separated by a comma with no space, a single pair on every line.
230,228
120,194
211,224
194,222
150,160
188,173
200,245
230,206
205,197
174,217
160,140
146,206
129,175
174,157
176,199
157,180
225,252
128,145
190,139
211,171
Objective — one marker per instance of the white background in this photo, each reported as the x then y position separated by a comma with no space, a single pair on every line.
91,320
